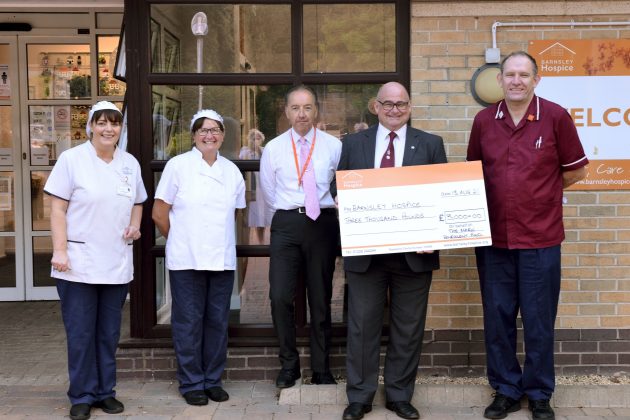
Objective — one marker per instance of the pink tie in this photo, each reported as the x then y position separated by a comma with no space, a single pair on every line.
311,200
388,160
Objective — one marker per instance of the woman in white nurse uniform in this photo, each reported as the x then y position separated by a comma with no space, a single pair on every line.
96,205
194,208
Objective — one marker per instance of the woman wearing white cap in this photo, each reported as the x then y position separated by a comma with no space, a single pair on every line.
96,197
194,208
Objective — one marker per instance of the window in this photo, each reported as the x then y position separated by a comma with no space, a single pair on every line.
251,55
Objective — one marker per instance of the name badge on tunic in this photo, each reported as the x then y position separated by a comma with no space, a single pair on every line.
124,190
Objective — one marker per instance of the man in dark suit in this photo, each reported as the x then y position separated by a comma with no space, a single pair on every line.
405,277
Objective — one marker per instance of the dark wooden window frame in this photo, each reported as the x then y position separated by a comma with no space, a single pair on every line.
138,98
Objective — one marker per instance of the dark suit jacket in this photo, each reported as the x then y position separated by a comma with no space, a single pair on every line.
357,152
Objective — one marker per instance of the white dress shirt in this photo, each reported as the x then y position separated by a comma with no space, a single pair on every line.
203,200
279,176
382,141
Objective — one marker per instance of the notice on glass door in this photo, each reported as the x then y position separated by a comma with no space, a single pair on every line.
5,82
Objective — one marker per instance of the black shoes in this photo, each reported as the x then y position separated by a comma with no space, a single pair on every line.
286,378
403,409
80,411
110,405
541,410
216,393
501,406
355,411
323,378
196,398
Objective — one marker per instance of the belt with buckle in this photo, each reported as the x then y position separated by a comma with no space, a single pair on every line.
302,210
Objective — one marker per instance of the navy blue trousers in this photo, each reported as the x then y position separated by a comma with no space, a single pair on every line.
527,280
91,315
199,322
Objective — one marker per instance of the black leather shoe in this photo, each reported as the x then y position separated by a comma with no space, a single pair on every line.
216,393
501,406
80,411
403,409
541,410
323,378
196,398
286,378
356,411
110,405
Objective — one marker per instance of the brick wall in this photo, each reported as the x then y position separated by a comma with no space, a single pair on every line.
456,352
448,41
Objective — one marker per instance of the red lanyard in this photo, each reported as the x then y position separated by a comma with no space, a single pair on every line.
308,159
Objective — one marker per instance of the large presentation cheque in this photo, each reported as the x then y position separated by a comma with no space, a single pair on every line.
412,208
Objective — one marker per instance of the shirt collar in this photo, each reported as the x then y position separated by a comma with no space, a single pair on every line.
308,136
532,114
382,132
92,150
198,154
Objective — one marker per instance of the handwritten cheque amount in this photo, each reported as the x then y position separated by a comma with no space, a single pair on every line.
412,208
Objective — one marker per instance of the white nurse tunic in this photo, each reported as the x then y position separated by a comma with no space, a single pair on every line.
203,199
100,198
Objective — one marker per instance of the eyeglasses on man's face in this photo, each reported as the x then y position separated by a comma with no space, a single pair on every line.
214,131
388,106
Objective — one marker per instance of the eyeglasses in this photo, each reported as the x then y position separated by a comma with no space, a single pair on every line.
214,131
388,106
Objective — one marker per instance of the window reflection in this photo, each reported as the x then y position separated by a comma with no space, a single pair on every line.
42,253
244,108
107,51
250,297
241,38
256,208
6,137
254,292
7,202
162,292
7,262
349,38
40,202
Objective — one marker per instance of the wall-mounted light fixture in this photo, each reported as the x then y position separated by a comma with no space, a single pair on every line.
484,85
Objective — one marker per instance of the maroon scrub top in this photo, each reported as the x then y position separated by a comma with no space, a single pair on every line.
523,168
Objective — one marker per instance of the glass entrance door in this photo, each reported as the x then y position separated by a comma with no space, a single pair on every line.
11,219
61,78
58,89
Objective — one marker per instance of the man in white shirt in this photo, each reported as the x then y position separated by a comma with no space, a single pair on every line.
296,169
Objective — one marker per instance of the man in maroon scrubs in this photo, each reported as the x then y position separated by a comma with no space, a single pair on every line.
530,151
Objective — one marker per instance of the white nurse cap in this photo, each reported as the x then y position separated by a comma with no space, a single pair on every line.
99,106
206,113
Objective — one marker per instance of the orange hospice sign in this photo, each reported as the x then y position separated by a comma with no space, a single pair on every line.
579,57
412,208
590,79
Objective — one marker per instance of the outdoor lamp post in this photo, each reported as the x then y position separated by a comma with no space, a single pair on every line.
199,27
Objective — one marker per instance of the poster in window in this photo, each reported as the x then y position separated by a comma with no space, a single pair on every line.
5,82
5,193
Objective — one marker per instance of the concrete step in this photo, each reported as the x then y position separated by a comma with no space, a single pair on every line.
452,395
